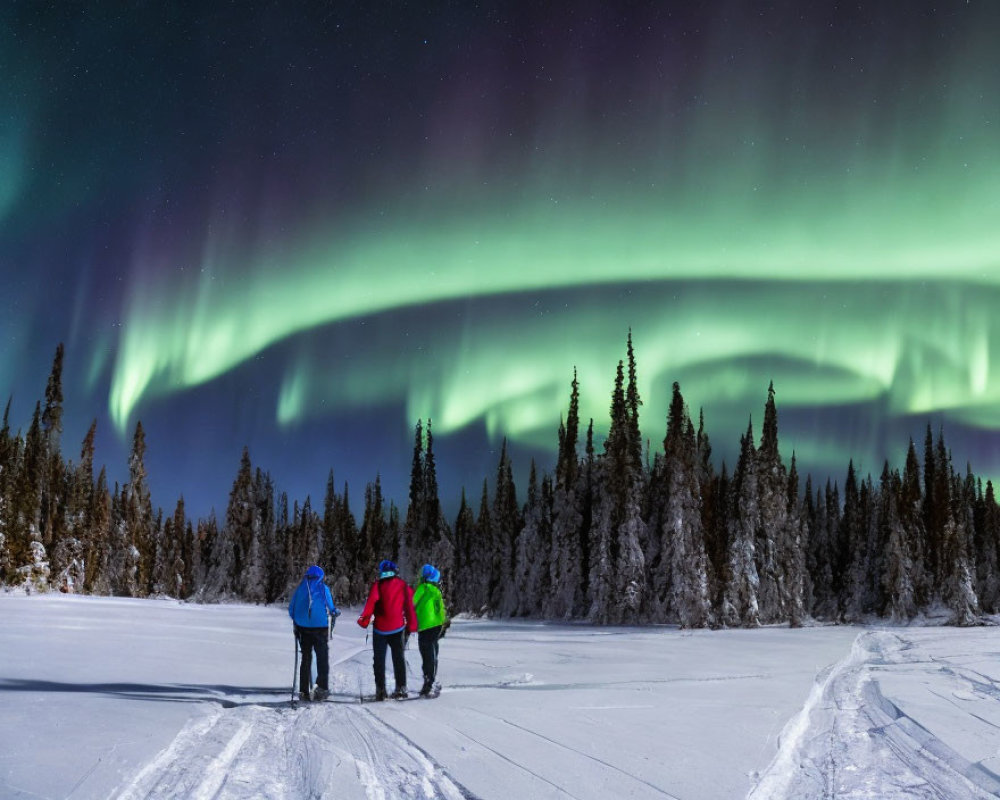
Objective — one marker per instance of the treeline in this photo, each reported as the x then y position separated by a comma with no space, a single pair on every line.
624,535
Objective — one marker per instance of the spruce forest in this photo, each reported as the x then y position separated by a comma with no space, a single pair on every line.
630,534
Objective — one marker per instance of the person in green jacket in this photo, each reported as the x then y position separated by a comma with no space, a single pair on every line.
431,622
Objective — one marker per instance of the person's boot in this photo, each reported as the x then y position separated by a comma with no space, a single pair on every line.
304,697
427,687
320,693
400,693
380,691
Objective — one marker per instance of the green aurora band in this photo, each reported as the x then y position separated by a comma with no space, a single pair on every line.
846,246
178,337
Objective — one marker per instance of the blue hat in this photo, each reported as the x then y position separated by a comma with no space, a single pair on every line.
430,573
387,568
314,572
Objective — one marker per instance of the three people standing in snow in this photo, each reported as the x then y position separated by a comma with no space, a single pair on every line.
313,614
397,611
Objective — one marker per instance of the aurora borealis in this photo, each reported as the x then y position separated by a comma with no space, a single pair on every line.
301,230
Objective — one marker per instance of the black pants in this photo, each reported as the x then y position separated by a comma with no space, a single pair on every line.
428,641
394,641
314,639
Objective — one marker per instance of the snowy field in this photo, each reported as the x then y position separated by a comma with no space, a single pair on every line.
141,698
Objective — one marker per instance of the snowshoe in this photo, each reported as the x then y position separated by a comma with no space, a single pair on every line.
304,697
321,694
400,693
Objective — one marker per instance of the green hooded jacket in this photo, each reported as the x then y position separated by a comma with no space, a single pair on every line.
429,605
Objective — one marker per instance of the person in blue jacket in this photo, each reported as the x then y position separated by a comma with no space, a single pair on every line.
313,614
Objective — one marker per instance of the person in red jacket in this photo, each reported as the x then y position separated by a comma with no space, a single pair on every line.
390,602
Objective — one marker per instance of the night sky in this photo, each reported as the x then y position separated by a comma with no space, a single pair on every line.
301,227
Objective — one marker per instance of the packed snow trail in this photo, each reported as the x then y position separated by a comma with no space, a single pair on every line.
181,700
322,750
855,738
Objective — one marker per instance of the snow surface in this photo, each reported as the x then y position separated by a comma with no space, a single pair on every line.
103,697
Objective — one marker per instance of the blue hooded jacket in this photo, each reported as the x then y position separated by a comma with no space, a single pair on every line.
311,601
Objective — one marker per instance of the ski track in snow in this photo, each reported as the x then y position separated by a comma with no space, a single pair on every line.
327,750
851,742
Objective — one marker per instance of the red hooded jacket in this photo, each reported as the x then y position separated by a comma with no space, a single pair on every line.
390,600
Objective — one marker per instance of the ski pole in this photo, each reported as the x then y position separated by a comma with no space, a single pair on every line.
295,671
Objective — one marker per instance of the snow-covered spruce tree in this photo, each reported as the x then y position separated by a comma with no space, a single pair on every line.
899,590
4,551
25,499
28,561
372,542
465,536
987,561
7,463
863,558
232,547
330,546
618,566
97,554
850,552
515,603
138,513
436,543
777,539
280,575
795,563
123,567
242,526
712,491
339,548
823,525
587,482
808,513
875,543
601,580
656,547
51,523
539,575
740,600
476,577
913,520
972,499
630,565
715,514
207,542
416,509
565,565
681,534
274,548
534,549
265,556
426,535
304,551
506,523
177,583
937,511
160,561
296,555
190,556
67,548
78,487
959,593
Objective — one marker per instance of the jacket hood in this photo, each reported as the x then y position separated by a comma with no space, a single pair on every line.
314,572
